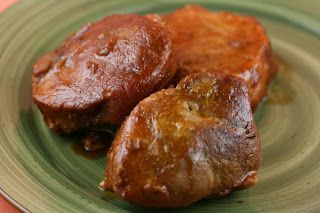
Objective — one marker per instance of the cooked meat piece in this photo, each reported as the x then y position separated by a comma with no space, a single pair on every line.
180,145
222,42
101,72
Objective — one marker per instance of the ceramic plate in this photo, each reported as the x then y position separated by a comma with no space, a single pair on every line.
40,171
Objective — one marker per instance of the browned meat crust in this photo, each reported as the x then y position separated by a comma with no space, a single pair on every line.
222,42
101,72
180,145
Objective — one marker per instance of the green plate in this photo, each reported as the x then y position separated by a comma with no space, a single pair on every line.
40,172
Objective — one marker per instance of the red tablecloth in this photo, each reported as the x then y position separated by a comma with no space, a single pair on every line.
5,206
5,3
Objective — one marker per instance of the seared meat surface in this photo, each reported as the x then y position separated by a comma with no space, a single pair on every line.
101,72
182,144
222,42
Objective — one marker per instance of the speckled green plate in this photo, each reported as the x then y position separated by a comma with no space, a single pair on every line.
40,172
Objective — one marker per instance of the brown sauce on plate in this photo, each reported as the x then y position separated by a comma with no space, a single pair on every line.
281,91
94,144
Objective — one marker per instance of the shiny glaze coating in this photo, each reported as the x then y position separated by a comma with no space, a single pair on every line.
222,42
183,144
101,72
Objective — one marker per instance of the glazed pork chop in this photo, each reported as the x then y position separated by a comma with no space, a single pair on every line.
100,73
183,144
222,42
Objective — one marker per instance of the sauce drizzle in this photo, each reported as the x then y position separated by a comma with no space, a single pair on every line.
281,91
94,144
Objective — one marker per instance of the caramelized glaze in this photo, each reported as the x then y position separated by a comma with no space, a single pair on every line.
182,144
223,43
101,72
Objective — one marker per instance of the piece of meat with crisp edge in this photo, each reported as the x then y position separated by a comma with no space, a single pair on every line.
183,144
222,42
101,72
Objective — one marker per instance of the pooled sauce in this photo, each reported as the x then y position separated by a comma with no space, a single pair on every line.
281,91
94,145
